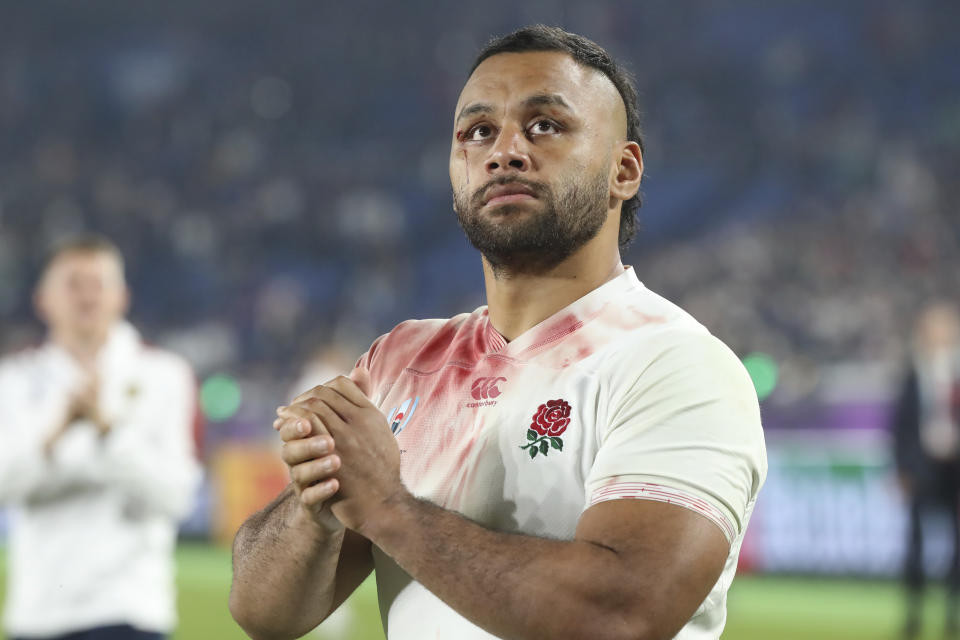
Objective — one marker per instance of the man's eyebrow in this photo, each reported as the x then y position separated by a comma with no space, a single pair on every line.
547,99
473,109
536,100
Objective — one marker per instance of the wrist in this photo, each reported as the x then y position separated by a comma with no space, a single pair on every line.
392,516
319,526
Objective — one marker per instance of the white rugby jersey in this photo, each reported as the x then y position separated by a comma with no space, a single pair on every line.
92,528
620,395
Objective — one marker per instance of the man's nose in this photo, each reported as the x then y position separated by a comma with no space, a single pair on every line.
509,152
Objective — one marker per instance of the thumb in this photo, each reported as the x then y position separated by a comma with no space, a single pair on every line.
361,377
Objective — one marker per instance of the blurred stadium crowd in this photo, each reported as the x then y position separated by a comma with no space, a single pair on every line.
279,187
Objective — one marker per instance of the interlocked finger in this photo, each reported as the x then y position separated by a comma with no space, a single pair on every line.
296,452
350,391
296,422
340,386
330,406
311,472
319,493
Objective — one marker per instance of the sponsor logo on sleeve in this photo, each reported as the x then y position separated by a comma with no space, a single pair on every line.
549,423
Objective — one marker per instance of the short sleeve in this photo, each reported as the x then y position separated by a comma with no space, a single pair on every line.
366,360
684,428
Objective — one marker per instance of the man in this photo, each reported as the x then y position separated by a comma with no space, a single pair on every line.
96,461
578,459
926,430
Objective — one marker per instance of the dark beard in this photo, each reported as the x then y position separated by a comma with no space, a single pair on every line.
545,238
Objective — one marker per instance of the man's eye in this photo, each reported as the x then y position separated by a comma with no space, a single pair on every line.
479,132
543,126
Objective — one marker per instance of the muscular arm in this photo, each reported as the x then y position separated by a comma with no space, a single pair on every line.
636,569
289,574
293,562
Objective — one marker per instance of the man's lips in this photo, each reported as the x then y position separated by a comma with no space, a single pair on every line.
503,194
513,197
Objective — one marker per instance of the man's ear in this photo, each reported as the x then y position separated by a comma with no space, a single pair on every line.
628,167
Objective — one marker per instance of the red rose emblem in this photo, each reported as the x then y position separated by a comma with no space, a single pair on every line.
549,422
552,418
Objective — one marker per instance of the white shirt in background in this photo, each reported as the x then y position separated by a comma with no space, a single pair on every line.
93,528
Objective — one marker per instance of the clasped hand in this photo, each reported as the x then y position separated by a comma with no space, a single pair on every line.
344,461
83,405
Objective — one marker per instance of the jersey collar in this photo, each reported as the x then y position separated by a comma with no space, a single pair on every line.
565,321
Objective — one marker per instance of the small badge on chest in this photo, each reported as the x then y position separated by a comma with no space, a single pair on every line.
400,416
549,423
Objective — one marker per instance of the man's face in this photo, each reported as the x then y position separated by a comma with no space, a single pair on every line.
82,293
532,157
939,328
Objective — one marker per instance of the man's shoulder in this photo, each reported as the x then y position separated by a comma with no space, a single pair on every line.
22,359
423,330
678,344
157,359
653,337
425,342
642,326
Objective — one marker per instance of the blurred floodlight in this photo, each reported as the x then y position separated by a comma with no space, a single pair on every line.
220,397
763,371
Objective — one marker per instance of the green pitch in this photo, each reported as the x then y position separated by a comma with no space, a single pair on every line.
761,608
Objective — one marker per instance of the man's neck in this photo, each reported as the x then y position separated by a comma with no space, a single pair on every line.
517,302
83,348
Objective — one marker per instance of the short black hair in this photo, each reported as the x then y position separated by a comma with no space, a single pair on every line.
81,243
588,53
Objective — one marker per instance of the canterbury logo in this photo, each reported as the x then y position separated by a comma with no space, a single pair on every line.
486,388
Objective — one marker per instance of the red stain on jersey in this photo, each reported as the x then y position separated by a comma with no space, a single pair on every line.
459,368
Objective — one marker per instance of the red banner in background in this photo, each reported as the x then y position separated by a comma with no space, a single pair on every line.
246,478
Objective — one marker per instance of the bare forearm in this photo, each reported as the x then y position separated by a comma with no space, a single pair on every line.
514,586
284,569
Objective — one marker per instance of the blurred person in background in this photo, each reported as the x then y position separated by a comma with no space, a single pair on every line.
927,450
97,460
578,459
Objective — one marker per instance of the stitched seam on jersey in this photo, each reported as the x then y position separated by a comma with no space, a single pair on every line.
452,363
556,336
458,363
659,493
